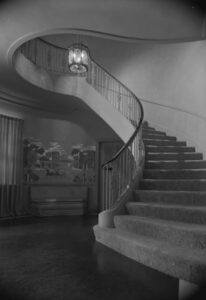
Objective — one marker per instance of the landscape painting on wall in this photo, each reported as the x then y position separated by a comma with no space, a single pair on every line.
49,162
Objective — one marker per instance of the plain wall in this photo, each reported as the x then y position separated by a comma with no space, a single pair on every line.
171,78
64,132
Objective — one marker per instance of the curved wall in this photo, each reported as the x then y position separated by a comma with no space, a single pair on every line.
172,75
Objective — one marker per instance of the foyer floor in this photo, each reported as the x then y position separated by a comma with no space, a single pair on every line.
56,258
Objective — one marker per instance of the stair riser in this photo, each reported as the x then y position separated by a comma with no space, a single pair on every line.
180,214
159,137
176,165
173,185
166,197
166,232
164,143
174,156
177,174
168,149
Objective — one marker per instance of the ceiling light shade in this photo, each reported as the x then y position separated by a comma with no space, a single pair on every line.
78,58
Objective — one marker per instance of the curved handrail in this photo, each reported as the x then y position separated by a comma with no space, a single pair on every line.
119,152
138,125
121,169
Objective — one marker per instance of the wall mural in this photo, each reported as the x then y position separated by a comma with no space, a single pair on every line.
51,163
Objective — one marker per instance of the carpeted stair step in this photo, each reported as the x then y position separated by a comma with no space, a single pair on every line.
177,233
164,143
152,132
172,184
165,228
168,149
179,213
195,198
187,164
149,128
175,174
174,156
152,136
179,262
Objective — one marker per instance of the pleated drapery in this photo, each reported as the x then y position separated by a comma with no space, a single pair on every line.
11,167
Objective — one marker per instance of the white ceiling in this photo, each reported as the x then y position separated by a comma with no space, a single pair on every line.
117,21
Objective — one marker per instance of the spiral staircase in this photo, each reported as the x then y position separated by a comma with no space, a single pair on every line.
154,187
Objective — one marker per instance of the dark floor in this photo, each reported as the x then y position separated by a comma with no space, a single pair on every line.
57,258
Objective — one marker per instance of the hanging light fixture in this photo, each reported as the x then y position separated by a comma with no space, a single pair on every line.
78,58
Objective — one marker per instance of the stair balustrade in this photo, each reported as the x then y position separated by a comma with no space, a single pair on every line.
120,171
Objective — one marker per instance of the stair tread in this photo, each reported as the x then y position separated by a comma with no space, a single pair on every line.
168,149
159,245
167,146
174,141
179,156
168,223
197,255
174,170
164,139
175,160
187,153
174,174
172,192
173,180
168,205
178,261
155,132
175,153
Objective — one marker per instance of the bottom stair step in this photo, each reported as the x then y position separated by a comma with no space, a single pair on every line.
179,262
177,233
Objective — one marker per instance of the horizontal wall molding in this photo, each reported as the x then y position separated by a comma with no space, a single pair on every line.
175,108
27,103
17,100
122,38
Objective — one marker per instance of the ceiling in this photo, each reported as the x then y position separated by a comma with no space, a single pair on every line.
99,23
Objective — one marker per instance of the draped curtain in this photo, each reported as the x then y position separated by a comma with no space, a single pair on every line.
11,167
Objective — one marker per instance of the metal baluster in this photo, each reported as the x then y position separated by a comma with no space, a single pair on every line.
127,166
106,186
110,186
124,169
103,187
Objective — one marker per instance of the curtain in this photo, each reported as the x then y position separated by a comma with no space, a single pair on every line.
11,167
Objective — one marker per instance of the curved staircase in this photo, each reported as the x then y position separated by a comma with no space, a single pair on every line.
165,224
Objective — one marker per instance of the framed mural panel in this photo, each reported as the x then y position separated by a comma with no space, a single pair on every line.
51,163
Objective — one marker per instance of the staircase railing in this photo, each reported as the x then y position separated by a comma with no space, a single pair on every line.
120,171
122,168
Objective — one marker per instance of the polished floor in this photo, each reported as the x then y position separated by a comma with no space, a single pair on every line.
56,258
